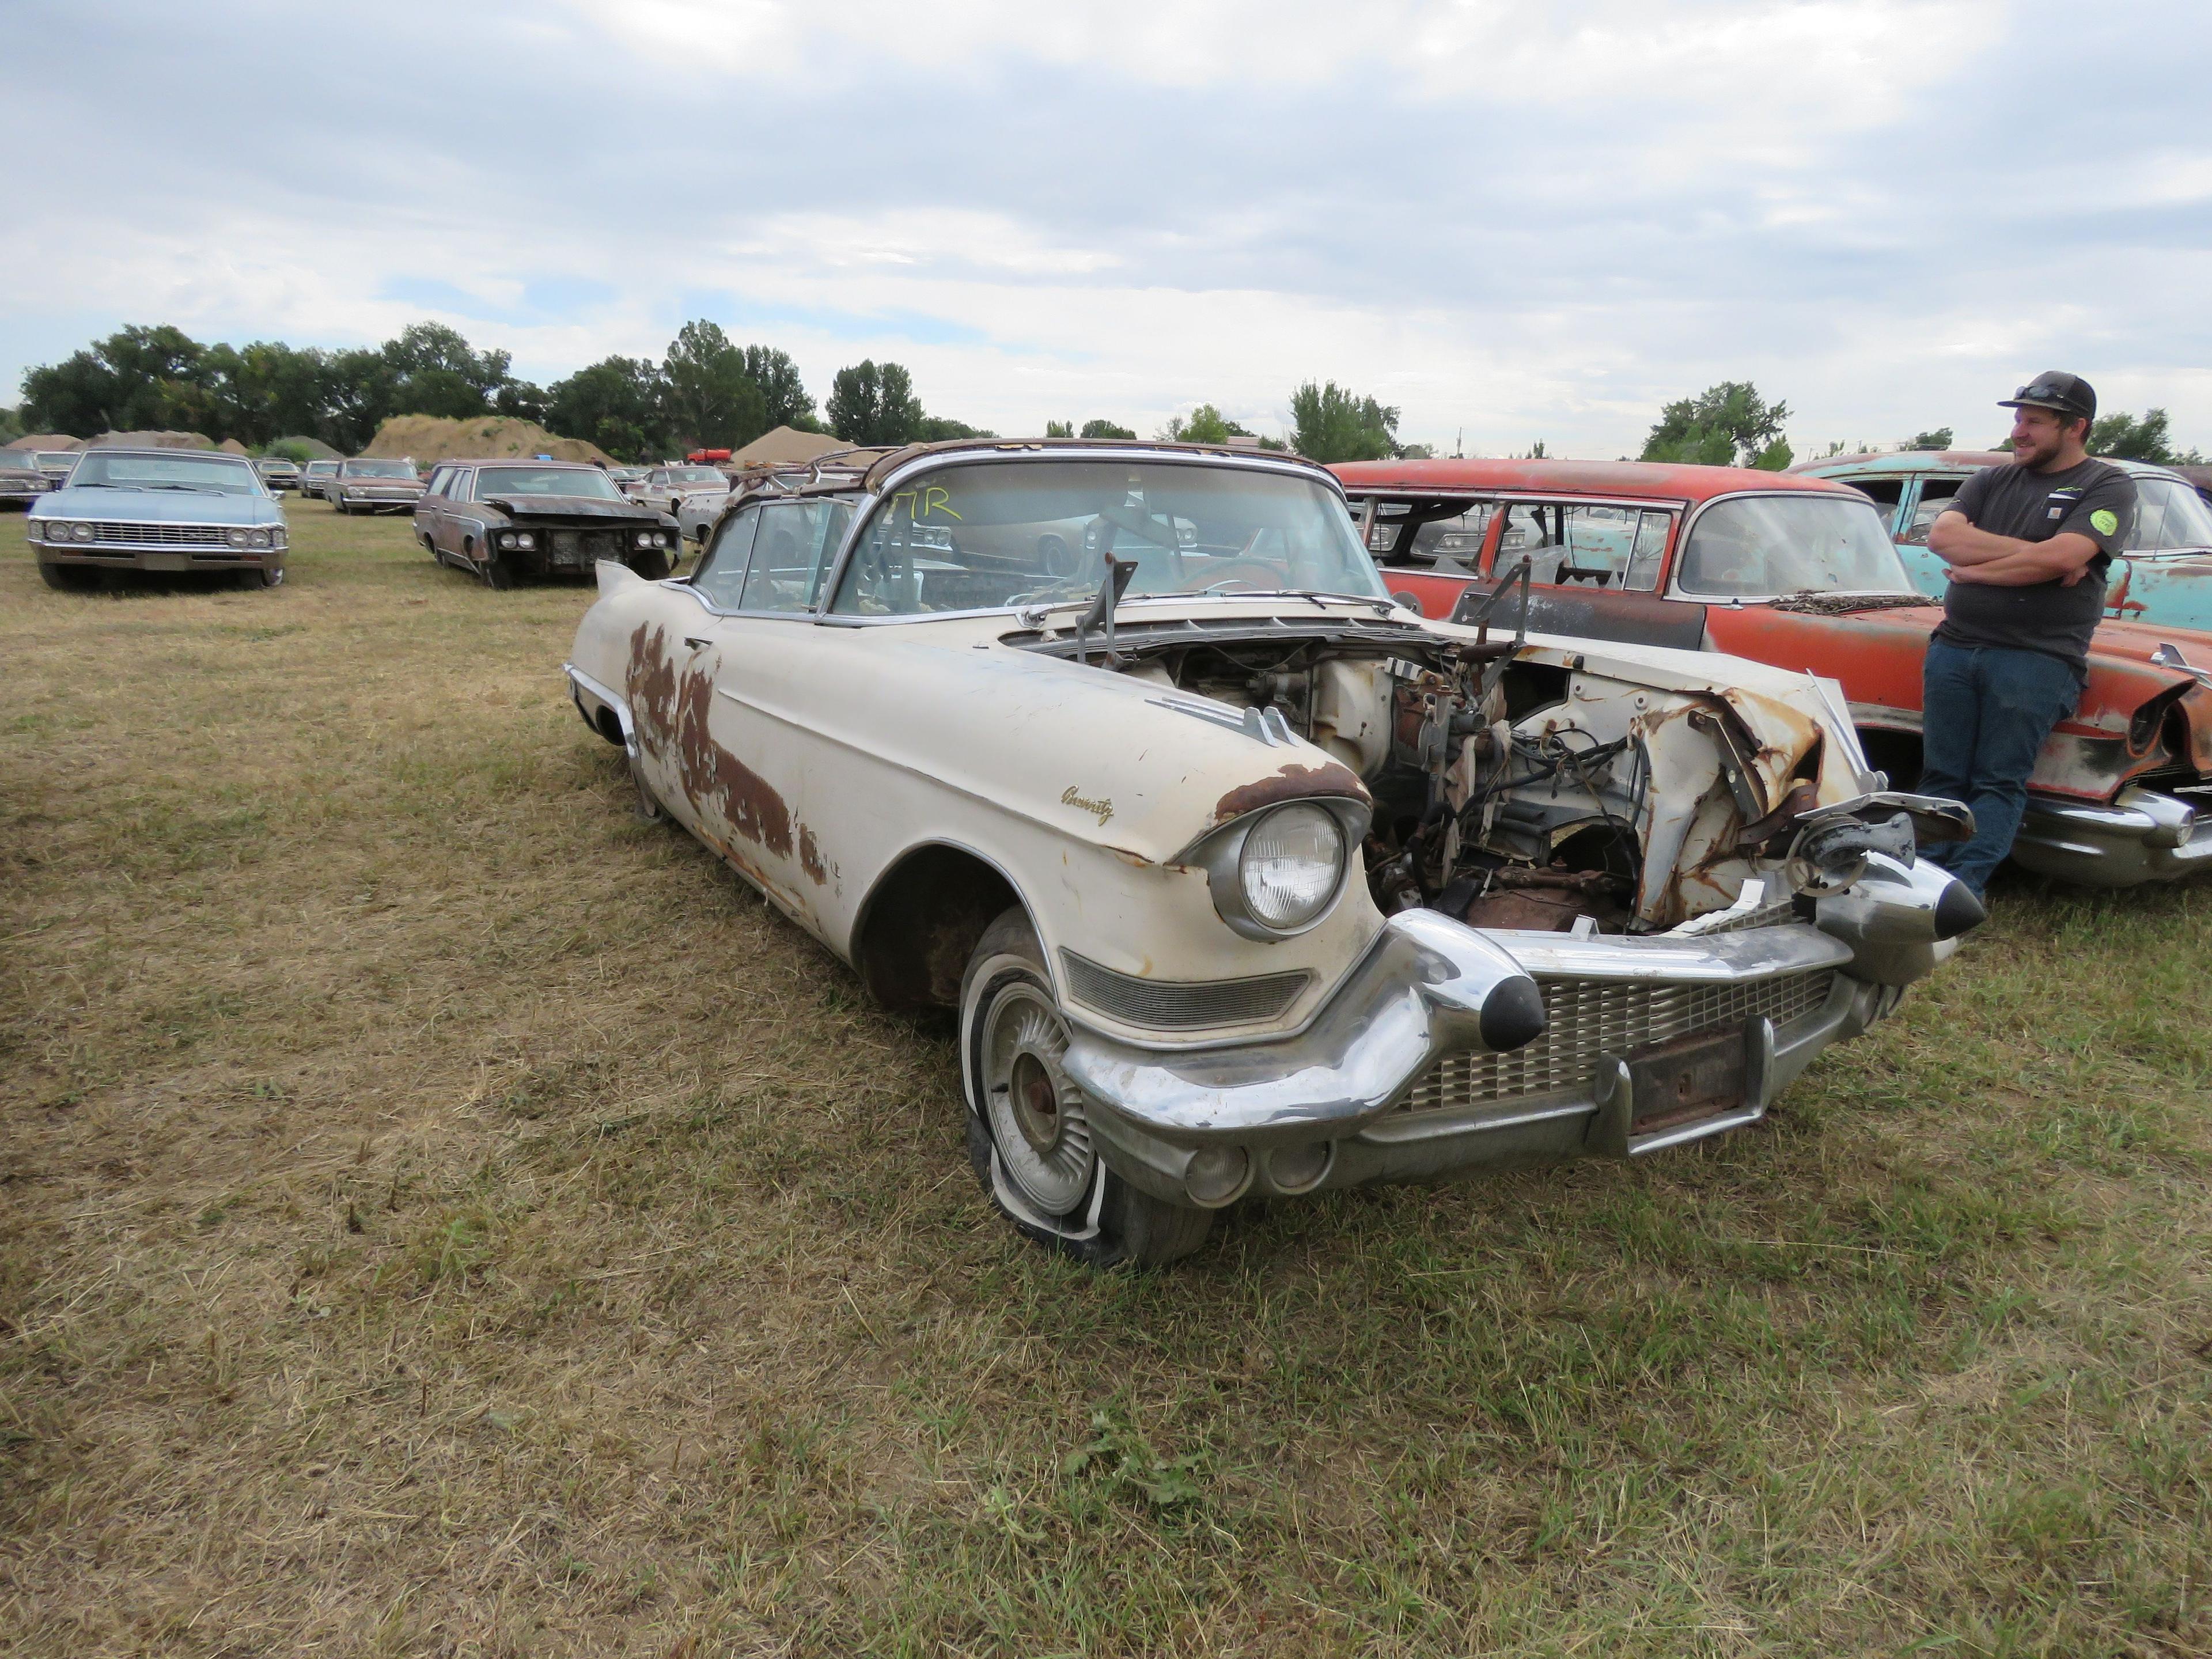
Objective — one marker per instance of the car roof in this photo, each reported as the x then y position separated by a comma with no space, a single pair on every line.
1887,462
1658,480
866,469
520,460
165,452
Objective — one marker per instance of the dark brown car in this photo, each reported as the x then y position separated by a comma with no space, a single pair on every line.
500,520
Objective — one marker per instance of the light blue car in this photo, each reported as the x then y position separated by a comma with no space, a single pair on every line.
170,510
2165,579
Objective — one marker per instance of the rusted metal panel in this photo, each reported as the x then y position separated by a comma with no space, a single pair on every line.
1292,783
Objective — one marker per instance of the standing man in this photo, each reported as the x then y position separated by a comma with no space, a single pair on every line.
2028,543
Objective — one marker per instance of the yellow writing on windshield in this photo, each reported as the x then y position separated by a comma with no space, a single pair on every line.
920,503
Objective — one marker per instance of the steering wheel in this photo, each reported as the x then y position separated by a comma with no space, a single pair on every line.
1216,573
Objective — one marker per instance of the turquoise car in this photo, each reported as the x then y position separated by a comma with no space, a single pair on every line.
2165,579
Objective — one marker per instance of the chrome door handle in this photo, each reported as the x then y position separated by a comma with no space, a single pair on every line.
695,642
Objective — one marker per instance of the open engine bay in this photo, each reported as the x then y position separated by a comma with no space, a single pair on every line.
1518,784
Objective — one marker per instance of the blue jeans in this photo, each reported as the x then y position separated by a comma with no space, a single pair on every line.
1986,713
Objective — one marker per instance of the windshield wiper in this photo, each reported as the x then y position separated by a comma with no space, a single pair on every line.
194,490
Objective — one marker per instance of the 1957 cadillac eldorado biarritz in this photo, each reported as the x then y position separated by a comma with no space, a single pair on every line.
1241,878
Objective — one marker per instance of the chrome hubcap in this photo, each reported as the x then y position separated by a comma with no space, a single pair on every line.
1036,1114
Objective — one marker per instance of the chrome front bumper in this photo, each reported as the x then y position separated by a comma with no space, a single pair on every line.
1378,1088
2143,835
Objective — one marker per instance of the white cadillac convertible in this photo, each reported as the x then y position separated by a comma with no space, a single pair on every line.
1241,878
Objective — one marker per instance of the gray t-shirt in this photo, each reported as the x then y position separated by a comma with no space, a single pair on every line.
2091,499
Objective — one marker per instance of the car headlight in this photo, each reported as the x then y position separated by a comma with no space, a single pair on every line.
235,537
525,541
1276,873
258,538
80,532
1289,865
645,538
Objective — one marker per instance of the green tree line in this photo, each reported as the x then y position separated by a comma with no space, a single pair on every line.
706,390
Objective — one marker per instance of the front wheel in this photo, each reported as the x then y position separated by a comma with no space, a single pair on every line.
260,577
652,564
499,572
1028,1130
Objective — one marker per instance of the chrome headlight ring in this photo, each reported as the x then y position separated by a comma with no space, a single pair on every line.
1222,854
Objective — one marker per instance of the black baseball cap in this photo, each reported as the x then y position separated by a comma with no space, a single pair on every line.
2069,394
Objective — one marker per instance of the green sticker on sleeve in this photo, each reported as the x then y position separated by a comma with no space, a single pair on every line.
2105,519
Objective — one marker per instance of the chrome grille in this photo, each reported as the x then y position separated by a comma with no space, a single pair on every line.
163,535
1175,1005
1590,1017
1766,915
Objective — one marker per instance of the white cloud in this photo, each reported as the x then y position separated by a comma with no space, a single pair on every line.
1523,221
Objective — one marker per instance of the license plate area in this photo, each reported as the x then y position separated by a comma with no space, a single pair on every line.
167,561
1689,1078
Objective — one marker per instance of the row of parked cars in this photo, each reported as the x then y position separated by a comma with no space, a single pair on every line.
1268,828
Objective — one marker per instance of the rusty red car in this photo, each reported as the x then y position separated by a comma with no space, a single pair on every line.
1800,572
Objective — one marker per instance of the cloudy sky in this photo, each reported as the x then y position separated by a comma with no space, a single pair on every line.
1513,220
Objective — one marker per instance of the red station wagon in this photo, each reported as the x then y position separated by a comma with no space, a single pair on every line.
1800,572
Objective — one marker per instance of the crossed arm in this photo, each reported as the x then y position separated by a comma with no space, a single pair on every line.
1978,555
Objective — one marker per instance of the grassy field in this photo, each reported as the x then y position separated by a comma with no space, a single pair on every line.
440,1214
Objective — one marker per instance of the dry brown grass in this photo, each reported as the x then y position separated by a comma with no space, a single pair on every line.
444,1215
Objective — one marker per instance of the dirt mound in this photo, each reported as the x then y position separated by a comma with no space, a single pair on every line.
316,448
428,437
784,445
232,447
47,441
150,441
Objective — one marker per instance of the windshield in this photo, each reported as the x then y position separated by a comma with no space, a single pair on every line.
696,475
586,481
379,469
1763,546
219,474
18,461
320,467
58,458
2169,516
990,535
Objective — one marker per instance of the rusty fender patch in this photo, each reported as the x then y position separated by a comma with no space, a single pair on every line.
809,857
670,708
650,685
1293,782
717,779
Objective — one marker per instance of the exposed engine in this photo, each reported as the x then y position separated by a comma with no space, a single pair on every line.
1522,788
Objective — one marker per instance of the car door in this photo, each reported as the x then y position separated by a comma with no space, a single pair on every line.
427,508
771,766
1595,570
716,694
